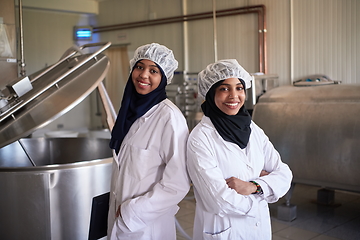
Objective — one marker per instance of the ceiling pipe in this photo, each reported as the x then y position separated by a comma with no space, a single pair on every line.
21,33
265,70
262,39
214,31
260,10
291,42
186,38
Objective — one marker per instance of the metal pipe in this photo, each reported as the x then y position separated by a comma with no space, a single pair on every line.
108,106
215,33
263,9
22,59
190,17
261,42
257,9
291,42
186,38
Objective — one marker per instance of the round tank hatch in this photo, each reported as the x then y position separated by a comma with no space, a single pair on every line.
53,92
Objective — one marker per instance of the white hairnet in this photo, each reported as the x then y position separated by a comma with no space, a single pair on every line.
159,54
221,70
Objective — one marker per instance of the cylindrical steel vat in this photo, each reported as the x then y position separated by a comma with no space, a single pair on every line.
316,131
53,199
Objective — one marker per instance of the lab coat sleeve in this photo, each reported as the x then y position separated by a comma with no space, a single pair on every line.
277,183
138,212
207,178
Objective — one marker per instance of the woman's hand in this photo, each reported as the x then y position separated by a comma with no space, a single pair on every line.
264,173
240,186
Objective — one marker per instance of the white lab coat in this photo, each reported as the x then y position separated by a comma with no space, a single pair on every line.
149,176
222,213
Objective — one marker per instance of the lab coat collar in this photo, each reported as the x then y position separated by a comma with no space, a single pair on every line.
206,121
150,112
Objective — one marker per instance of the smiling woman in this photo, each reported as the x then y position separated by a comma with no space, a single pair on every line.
234,168
146,76
149,175
230,96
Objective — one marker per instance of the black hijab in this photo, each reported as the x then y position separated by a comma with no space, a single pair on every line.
133,106
232,128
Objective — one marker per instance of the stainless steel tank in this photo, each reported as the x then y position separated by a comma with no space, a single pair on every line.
53,199
316,129
48,185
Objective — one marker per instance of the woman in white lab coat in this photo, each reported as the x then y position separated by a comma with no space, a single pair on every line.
234,168
149,175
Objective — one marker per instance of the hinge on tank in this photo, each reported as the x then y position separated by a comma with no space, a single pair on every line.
9,96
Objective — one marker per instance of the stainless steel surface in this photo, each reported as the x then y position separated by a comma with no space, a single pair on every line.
52,200
72,52
317,132
260,85
47,185
315,80
53,94
183,93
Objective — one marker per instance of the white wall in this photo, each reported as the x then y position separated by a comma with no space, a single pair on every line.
304,37
327,38
116,12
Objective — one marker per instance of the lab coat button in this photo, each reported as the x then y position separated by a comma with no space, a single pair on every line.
258,224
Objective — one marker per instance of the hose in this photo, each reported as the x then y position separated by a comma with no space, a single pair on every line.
181,230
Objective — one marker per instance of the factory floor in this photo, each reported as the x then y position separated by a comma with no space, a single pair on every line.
341,220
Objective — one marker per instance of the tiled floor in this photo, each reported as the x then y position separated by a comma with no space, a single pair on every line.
313,221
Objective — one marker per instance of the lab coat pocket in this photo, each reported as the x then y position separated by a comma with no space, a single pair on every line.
216,227
141,162
214,236
120,231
